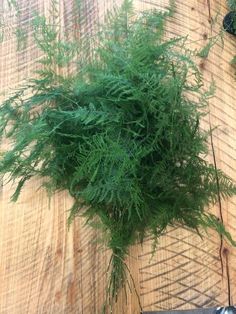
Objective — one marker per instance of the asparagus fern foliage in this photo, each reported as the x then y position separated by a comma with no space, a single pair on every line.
122,134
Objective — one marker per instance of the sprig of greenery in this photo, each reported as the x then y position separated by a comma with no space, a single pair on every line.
204,52
1,29
13,4
122,135
21,36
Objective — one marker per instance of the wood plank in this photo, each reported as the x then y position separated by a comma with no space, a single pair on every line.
196,311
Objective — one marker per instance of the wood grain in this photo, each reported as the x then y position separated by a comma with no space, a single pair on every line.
198,311
44,268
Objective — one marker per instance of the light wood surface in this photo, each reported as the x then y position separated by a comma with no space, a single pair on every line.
197,311
44,268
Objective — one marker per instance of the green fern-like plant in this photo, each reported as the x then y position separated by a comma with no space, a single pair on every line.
122,135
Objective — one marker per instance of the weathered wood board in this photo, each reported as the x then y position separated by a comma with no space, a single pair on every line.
44,268
197,311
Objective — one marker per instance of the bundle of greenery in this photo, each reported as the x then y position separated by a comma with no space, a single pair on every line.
122,134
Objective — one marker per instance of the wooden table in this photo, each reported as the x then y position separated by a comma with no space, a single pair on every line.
196,311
